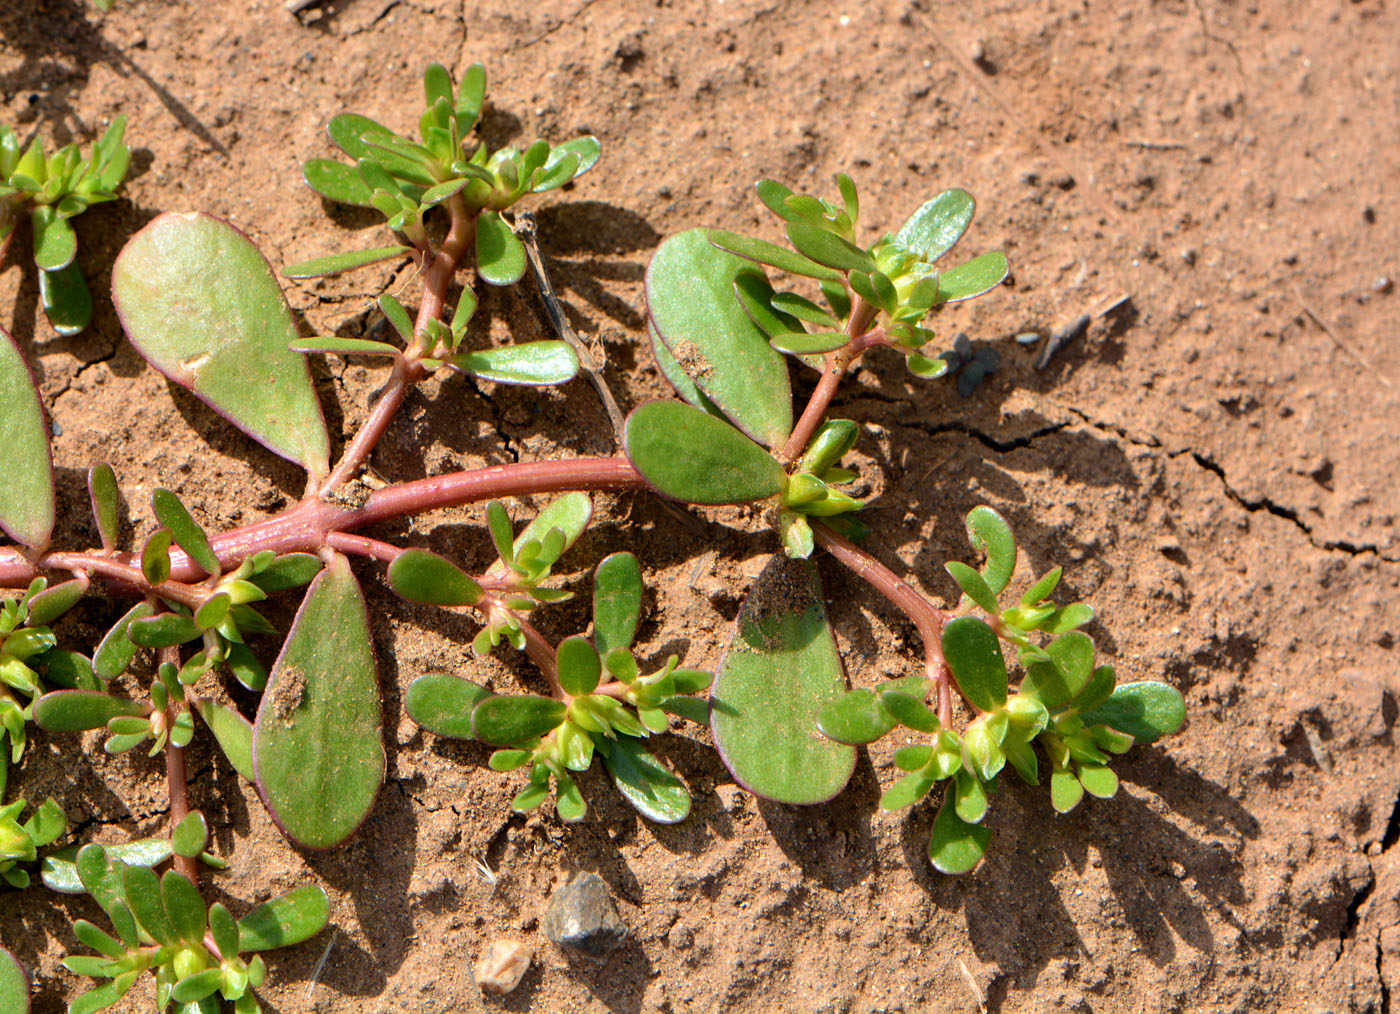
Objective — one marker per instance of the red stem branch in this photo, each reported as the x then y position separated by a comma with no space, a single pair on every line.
177,781
837,363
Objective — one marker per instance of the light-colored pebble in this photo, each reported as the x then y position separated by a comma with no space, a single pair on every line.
504,964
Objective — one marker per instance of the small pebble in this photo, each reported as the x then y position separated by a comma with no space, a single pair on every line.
1382,284
502,966
1027,338
583,916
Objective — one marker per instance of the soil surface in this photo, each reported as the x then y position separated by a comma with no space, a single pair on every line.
1217,184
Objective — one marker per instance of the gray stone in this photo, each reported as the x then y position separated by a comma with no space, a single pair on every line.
582,916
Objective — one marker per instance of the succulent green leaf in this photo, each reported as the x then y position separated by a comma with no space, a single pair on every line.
141,888
974,586
187,534
585,149
1042,589
500,256
924,367
937,225
334,264
292,570
827,248
471,93
849,198
691,456
988,531
51,603
908,790
14,984
337,182
184,906
233,732
200,302
299,914
77,710
779,671
569,514
690,286
164,630
779,257
106,994
317,747
857,717
542,362
344,346
970,797
66,670
979,275
1098,780
106,503
679,379
1072,616
1147,711
1065,791
1098,690
55,243
155,556
654,792
508,720
1064,677
955,845
974,655
617,602
579,666
116,649
908,709
190,835
443,704
67,301
800,343
26,495
421,576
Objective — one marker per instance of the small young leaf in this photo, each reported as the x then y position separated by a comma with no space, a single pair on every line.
106,503
337,182
801,343
977,276
443,704
974,586
691,456
105,995
974,655
925,368
141,888
51,603
200,302
970,797
1097,690
1071,617
1147,711
163,631
1042,589
988,532
421,576
937,225
583,152
774,256
857,717
317,748
955,845
828,248
471,93
26,495
295,916
908,790
67,301
579,666
847,186
116,650
1064,677
292,570
344,346
334,264
617,602
1098,780
77,710
1065,791
187,534
55,243
542,362
506,721
569,514
233,732
500,256
908,709
184,906
654,792
190,835
779,671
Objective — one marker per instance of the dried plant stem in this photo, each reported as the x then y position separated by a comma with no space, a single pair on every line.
928,618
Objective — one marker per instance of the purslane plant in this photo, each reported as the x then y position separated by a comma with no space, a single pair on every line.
200,303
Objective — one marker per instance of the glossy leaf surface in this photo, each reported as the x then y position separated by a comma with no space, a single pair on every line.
334,264
977,276
1147,711
691,302
617,602
690,455
500,256
116,650
443,704
317,750
780,669
654,792
505,721
26,495
295,916
1064,677
422,576
955,845
337,182
77,710
233,732
542,362
989,532
66,298
974,655
937,225
200,302
857,717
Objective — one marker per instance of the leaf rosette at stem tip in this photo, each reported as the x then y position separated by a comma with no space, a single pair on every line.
404,179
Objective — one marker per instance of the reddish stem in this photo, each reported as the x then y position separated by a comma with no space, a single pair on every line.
176,778
927,617
837,364
360,545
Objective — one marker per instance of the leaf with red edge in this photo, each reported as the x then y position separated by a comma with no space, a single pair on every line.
26,495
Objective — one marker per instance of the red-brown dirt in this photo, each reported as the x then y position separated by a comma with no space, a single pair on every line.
1214,463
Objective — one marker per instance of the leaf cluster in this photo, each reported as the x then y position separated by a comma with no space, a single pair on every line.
53,188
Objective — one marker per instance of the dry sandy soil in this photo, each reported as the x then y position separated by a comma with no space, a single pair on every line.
1214,463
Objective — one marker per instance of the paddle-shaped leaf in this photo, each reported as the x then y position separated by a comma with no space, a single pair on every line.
1059,681
344,346
857,717
106,503
579,666
972,279
543,362
653,791
295,916
233,732
691,302
338,182
505,721
77,710
334,264
14,984
1147,711
67,301
26,495
116,649
676,374
931,231
989,532
955,845
690,455
421,576
780,670
187,534
317,750
500,256
443,704
199,301
569,513
779,257
974,655
617,602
